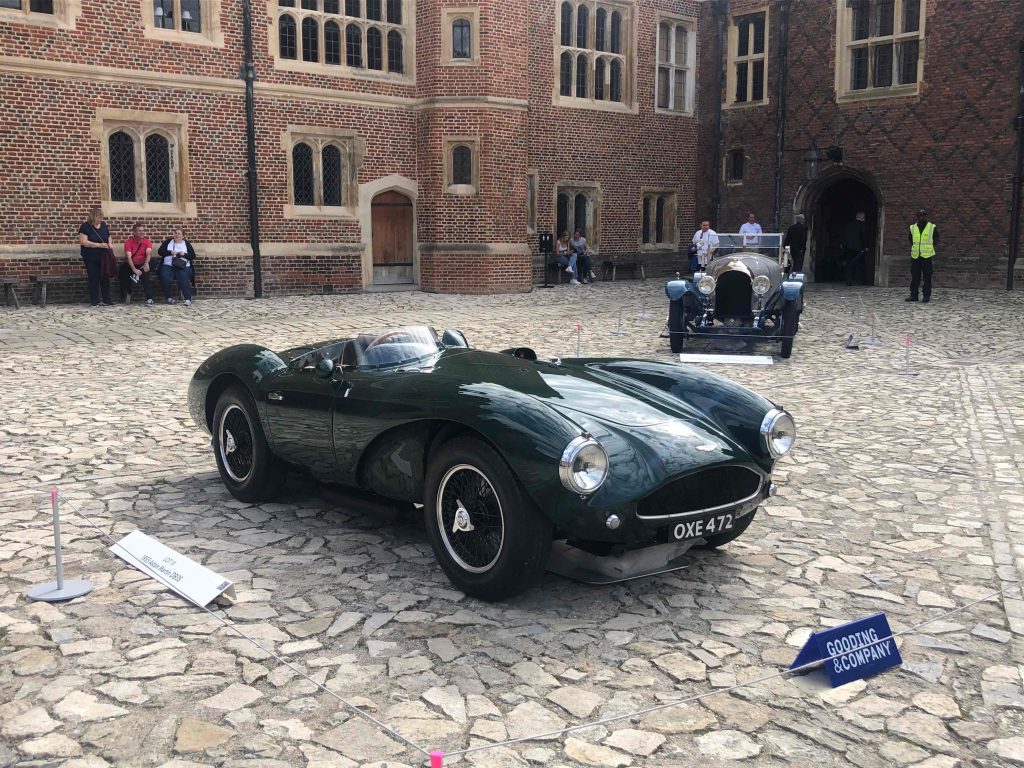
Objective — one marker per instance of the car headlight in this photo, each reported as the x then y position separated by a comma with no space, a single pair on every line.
761,285
779,432
706,285
584,465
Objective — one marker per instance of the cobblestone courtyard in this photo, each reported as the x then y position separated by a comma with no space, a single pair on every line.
905,494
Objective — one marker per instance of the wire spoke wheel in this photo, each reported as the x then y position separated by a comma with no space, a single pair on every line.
236,443
470,518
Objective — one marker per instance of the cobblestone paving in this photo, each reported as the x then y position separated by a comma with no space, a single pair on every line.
905,494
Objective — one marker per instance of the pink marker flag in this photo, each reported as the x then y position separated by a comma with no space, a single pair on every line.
437,759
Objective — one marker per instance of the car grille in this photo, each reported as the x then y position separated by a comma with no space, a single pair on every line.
733,294
702,491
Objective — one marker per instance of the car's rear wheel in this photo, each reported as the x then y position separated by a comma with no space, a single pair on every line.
790,317
488,536
247,467
720,540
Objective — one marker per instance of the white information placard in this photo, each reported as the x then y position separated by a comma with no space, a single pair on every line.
193,581
728,359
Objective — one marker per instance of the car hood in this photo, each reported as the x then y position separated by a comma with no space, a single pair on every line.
751,264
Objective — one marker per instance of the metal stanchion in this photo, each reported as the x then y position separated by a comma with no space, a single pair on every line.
579,330
906,371
872,339
618,328
56,591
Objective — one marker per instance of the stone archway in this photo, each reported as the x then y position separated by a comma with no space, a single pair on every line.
829,203
375,190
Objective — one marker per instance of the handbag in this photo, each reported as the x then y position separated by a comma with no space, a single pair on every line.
179,262
108,261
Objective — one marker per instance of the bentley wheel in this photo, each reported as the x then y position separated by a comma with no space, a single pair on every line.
488,536
677,325
248,469
790,314
713,542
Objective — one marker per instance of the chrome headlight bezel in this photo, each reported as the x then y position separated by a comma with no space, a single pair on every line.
706,285
588,479
760,285
778,432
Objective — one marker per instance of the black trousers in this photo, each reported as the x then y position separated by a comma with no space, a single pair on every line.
97,282
798,259
919,267
125,278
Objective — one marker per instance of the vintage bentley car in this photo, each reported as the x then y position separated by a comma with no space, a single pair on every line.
505,452
741,294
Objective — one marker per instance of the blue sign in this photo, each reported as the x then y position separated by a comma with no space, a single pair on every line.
852,651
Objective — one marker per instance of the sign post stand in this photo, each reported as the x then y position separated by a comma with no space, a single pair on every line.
59,590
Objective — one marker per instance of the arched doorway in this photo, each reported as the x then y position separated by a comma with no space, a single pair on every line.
830,204
393,236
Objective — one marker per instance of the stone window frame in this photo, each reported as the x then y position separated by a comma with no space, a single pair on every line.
448,18
450,144
65,15
591,191
730,166
210,33
670,231
138,124
532,193
689,66
845,46
407,31
735,60
627,56
353,149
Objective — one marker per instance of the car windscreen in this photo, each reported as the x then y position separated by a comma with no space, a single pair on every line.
397,347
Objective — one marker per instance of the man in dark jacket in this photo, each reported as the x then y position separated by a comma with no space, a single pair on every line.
854,243
796,239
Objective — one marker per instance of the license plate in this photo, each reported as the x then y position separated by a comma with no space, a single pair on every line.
705,526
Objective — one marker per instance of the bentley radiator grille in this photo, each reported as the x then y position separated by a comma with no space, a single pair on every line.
702,491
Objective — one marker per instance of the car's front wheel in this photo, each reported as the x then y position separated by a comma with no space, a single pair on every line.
721,539
677,327
488,536
247,467
790,316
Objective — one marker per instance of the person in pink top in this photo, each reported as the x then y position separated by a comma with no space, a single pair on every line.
135,269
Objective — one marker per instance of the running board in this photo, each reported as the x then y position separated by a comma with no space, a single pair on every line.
578,565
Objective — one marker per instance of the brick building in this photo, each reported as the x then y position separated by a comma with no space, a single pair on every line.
398,142
919,95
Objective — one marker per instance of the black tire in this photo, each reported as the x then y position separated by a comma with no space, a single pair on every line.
505,547
677,325
790,320
247,467
713,542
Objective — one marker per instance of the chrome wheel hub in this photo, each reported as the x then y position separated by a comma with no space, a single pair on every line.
462,520
230,446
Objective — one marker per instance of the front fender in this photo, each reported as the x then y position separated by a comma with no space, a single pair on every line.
248,364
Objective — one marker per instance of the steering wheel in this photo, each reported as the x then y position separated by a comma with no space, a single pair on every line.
394,336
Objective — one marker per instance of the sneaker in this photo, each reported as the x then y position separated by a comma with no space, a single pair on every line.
149,302
926,299
188,302
911,298
569,270
592,275
574,281
664,333
170,301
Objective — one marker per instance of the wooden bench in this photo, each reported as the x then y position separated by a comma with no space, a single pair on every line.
44,280
9,293
630,261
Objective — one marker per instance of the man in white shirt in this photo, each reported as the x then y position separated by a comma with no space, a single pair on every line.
706,240
750,232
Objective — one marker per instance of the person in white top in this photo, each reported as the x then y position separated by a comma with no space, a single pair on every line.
706,240
750,232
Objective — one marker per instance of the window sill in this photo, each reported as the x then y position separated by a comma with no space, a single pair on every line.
734,183
873,94
340,70
213,40
744,104
160,210
450,62
329,212
667,247
572,102
50,20
673,112
461,189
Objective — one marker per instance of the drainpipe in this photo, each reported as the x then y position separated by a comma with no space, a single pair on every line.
780,107
720,11
1018,179
249,75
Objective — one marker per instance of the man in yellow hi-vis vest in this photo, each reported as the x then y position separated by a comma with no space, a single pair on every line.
924,239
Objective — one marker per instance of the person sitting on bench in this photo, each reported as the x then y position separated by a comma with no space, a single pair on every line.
178,256
566,258
578,245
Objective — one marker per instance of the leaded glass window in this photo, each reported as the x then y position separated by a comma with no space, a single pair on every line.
332,43
396,61
353,46
462,165
374,49
462,40
310,40
302,175
286,43
331,159
121,158
158,169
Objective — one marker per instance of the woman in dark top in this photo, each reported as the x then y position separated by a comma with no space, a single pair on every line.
178,257
94,239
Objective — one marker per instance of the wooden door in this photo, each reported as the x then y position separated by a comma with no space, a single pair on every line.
393,236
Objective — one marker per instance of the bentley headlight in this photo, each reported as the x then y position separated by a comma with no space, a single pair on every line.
706,285
584,465
779,432
761,285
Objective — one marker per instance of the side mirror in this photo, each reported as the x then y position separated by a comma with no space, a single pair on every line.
324,368
453,339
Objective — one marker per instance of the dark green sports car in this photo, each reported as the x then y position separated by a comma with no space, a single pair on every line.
505,452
